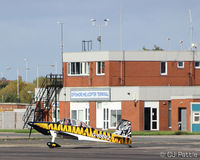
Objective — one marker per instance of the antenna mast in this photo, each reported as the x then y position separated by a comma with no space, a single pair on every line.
191,29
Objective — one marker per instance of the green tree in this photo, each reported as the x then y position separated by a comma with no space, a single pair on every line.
156,48
9,93
27,93
3,83
40,81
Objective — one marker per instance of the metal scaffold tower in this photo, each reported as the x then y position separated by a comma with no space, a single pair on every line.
47,94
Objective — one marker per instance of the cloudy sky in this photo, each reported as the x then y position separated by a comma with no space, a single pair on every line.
28,29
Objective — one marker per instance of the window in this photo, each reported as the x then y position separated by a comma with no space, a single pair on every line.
74,114
78,68
163,68
77,115
105,118
197,64
115,117
100,68
180,64
196,117
87,116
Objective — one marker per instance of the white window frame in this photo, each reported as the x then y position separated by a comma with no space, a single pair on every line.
84,69
57,113
193,117
100,106
164,73
178,66
198,67
116,117
153,105
106,117
97,68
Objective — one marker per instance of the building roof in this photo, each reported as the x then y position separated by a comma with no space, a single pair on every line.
131,56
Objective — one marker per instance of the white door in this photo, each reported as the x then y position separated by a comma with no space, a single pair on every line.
105,118
151,117
154,118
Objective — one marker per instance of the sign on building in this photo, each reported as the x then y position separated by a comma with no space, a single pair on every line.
90,94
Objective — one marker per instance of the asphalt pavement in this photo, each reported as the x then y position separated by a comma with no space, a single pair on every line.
20,147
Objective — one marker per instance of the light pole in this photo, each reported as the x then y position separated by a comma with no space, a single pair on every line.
26,69
18,85
181,44
99,26
61,41
168,43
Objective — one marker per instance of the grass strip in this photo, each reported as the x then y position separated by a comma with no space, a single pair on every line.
135,133
18,130
156,133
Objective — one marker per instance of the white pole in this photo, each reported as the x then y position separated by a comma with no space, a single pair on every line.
169,43
191,29
18,84
121,44
121,41
56,68
99,37
26,69
62,41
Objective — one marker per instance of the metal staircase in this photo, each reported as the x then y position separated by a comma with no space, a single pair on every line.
28,115
47,94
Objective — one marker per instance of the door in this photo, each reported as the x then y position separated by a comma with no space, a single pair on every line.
150,118
105,118
147,118
182,123
154,119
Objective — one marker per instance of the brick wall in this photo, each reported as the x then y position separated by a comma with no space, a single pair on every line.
134,114
64,109
181,103
163,115
135,74
11,106
93,114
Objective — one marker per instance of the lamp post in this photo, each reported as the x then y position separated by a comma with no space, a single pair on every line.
61,41
181,44
168,43
26,69
18,85
99,26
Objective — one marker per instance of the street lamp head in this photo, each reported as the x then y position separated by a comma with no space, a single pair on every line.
58,22
194,45
106,21
93,21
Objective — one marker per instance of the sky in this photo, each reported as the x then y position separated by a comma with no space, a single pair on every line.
28,29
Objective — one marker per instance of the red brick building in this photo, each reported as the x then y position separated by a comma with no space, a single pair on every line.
155,90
